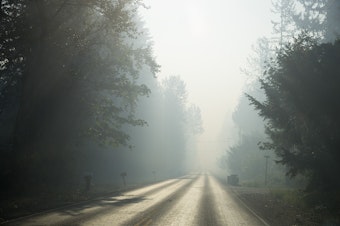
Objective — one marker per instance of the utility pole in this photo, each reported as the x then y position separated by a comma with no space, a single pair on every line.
265,175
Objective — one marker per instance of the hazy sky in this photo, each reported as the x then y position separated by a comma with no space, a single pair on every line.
206,42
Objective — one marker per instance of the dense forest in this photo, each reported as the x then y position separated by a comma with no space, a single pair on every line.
294,76
77,80
82,107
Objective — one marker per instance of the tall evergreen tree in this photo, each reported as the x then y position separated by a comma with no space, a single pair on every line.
302,110
283,26
321,18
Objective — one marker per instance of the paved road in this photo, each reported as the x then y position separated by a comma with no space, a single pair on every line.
191,200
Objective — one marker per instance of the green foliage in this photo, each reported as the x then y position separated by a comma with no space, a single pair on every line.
75,67
80,57
289,196
11,57
302,110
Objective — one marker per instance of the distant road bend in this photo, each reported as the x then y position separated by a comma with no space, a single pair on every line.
196,199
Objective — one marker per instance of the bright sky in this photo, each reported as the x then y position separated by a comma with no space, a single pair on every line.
206,42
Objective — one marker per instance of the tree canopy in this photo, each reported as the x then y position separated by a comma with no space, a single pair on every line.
302,110
74,67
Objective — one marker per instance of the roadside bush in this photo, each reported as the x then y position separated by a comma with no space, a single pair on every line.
290,196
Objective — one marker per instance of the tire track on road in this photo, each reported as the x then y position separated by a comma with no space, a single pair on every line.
151,215
105,216
79,214
229,210
184,211
207,211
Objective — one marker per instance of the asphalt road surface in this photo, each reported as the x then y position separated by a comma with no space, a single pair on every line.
196,199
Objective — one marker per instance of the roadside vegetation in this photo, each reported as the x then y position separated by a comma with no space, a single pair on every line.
81,105
293,88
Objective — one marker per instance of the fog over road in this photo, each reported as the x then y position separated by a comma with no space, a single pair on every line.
196,199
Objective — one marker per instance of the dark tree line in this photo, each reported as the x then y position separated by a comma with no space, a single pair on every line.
300,88
69,75
298,79
77,80
302,110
